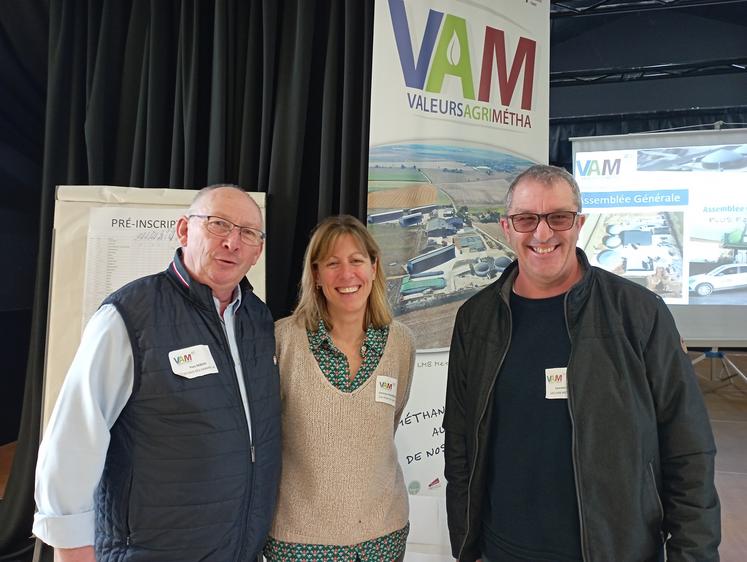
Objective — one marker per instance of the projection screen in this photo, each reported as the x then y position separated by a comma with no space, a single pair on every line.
669,211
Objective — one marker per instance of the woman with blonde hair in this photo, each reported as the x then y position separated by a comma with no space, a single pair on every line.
345,373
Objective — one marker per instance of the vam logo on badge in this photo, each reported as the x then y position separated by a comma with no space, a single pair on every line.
181,359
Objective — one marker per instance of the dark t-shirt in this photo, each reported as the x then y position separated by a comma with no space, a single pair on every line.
532,511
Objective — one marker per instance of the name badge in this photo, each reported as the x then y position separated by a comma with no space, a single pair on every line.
386,390
192,362
556,384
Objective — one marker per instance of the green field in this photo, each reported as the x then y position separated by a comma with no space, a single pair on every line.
443,199
384,185
395,174
476,209
397,245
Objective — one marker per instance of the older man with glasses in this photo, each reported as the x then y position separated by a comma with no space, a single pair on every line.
164,444
575,429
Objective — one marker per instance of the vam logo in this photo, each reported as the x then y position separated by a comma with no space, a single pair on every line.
605,167
386,385
443,32
180,359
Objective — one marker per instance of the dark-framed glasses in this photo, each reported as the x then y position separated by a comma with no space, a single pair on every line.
557,220
223,227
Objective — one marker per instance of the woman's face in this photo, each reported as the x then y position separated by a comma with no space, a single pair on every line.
345,277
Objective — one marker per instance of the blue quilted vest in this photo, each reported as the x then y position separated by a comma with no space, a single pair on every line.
183,480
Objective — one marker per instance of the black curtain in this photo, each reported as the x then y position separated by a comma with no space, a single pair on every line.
272,95
23,69
22,80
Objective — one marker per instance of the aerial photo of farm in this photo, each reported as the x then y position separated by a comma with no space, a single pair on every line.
435,211
644,247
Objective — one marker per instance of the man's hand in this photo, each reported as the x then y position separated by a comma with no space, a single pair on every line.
82,554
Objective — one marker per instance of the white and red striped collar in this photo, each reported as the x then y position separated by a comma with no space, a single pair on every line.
179,274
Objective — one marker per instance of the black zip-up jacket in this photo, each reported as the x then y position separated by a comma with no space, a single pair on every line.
642,444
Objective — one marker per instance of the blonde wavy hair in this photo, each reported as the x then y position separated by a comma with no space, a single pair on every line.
312,304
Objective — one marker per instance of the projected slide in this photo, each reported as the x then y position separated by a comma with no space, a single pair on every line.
668,210
673,219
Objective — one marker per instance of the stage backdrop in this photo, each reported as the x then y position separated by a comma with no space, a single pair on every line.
459,106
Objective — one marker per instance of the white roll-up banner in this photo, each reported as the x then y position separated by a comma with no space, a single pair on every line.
459,107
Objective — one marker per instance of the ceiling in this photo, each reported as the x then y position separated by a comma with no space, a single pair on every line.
574,8
576,24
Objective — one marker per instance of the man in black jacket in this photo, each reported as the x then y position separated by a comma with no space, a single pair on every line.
164,444
575,428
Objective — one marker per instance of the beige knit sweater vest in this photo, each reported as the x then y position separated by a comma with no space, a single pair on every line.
341,483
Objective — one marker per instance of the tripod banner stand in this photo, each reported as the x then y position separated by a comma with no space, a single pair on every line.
719,358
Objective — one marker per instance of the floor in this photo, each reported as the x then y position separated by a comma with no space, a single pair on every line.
727,405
